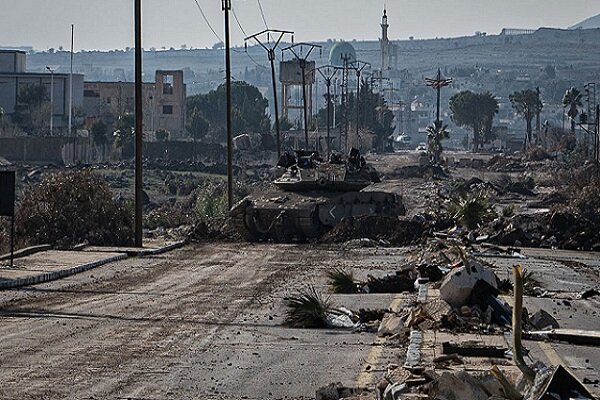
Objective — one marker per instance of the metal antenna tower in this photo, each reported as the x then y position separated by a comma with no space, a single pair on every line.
302,59
346,60
270,46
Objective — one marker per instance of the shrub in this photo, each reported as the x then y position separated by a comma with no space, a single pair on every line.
342,281
67,208
472,210
211,200
307,309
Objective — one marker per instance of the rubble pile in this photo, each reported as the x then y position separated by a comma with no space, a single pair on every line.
559,229
389,230
213,230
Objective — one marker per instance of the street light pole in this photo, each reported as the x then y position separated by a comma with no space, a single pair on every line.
71,81
51,98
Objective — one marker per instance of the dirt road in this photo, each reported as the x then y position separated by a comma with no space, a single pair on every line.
200,322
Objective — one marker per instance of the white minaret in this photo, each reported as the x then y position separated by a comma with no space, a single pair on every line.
384,43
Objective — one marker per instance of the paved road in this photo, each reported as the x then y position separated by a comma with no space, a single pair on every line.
200,322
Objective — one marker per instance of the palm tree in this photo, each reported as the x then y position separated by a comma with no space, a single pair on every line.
526,103
435,134
572,99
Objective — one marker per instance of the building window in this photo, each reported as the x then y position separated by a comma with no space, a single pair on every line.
167,109
108,100
167,81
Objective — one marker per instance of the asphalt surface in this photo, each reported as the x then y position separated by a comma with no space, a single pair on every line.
201,322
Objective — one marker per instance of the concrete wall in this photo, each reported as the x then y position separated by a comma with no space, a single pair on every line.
65,150
45,150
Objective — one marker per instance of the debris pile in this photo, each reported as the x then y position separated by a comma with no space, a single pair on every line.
386,230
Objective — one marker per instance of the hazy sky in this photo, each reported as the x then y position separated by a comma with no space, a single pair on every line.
107,24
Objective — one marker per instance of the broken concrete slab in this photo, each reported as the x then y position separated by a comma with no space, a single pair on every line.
390,325
542,320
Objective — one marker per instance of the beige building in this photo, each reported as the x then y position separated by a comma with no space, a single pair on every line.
163,102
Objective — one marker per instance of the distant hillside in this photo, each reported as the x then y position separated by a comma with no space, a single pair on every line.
590,23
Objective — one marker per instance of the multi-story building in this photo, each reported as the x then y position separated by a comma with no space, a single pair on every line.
163,102
14,78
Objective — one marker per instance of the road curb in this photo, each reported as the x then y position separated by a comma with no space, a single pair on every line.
27,251
50,276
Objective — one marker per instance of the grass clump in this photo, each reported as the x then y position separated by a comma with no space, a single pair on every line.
342,281
307,309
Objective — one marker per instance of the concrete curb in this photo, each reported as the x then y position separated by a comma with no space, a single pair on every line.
160,250
27,251
50,276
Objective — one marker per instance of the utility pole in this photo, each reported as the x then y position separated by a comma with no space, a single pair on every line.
139,181
328,72
302,59
226,5
438,83
359,66
71,80
270,47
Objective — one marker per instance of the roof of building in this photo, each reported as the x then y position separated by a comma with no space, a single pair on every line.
339,50
12,51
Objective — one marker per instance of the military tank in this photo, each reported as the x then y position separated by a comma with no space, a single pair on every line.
311,197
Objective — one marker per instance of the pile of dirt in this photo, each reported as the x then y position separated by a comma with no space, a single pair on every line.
395,231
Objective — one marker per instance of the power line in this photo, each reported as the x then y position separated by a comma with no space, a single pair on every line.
244,32
262,14
238,21
206,20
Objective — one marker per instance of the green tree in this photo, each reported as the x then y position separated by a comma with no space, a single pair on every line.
435,134
30,101
249,110
373,114
124,135
477,111
572,100
197,125
527,104
98,133
162,135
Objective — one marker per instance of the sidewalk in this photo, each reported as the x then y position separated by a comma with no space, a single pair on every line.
38,264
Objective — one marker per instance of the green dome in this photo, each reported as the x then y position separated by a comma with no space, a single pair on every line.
339,50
